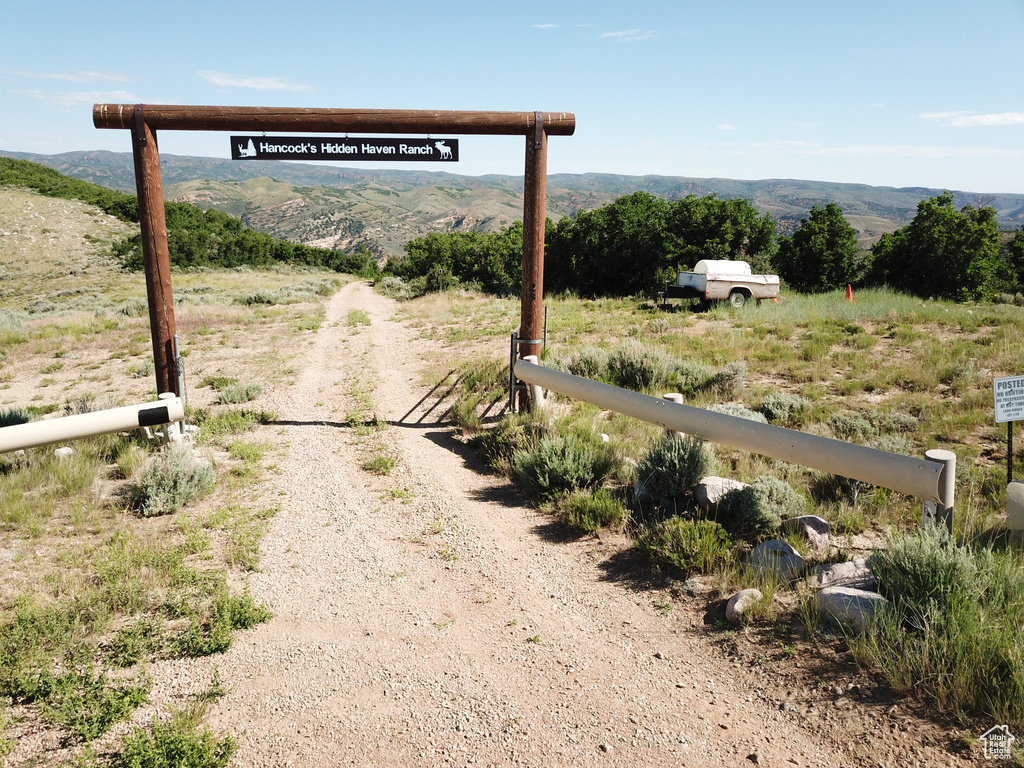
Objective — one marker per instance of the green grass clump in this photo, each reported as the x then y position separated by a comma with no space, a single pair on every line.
952,628
674,465
692,546
213,632
480,386
498,446
756,512
217,382
177,743
357,317
592,511
168,482
136,641
213,429
87,704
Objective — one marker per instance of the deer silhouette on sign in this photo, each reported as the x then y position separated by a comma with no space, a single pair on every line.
249,151
444,149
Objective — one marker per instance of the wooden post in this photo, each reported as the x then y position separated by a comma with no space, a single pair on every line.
155,254
535,182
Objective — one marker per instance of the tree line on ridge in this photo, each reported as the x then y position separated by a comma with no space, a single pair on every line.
634,245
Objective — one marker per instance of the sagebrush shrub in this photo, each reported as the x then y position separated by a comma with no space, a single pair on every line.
559,463
88,403
14,415
895,421
739,411
784,409
588,362
691,545
853,428
632,365
674,465
168,482
239,393
893,444
757,511
691,377
729,380
928,567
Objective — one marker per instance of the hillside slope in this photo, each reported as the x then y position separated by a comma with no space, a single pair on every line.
382,209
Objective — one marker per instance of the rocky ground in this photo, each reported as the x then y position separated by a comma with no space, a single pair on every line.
430,617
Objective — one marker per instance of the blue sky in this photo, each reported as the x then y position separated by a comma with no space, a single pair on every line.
893,92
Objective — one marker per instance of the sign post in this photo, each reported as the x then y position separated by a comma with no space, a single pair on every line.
1009,399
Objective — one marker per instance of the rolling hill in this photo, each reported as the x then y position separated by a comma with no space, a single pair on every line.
343,208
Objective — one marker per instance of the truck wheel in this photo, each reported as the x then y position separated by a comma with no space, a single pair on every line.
737,299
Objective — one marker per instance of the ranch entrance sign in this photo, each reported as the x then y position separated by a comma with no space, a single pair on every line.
144,120
349,149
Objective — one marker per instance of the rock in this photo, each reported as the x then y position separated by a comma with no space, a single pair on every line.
815,528
739,603
854,574
659,655
710,490
606,747
754,757
64,452
852,607
778,556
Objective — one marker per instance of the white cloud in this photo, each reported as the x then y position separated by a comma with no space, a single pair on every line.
73,76
726,127
67,99
224,80
964,119
629,35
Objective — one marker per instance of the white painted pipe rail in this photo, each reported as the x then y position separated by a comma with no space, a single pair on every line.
928,480
35,433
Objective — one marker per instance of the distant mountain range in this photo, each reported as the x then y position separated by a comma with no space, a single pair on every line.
343,208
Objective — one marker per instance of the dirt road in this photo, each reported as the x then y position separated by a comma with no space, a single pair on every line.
430,618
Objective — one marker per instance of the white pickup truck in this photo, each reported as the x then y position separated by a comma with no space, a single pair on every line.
723,280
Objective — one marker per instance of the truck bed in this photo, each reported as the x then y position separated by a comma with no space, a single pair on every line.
717,287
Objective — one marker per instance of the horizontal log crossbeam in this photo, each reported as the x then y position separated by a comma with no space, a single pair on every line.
201,118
